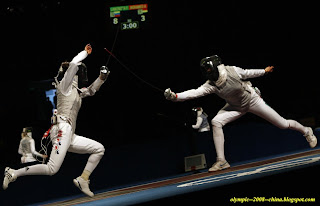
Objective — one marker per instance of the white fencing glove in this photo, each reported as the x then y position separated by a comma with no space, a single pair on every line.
104,73
170,95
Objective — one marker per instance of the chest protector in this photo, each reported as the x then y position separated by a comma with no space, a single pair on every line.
69,105
205,122
25,144
235,91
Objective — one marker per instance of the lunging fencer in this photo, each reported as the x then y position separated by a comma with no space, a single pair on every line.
69,97
228,82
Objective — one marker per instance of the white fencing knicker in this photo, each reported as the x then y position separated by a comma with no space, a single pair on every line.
258,107
63,141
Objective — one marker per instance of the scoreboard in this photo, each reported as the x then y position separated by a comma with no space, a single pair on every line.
129,16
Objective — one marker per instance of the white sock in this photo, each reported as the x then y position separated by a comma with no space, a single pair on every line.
85,175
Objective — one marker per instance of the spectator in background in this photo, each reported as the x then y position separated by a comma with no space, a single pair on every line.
202,124
27,147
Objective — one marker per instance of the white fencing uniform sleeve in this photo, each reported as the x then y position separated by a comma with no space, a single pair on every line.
79,58
198,124
203,90
249,73
20,149
67,79
92,89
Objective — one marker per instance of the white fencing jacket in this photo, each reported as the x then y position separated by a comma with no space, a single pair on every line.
27,150
69,96
230,86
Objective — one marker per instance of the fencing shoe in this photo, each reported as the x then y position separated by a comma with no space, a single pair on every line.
9,176
83,185
311,138
219,165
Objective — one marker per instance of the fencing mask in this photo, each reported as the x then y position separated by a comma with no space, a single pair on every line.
81,73
209,67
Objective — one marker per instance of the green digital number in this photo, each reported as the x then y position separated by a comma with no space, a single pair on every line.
130,25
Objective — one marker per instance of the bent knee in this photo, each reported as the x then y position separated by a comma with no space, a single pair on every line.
216,123
52,170
100,150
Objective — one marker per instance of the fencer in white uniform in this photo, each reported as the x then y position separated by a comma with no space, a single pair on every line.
27,147
228,82
69,98
202,124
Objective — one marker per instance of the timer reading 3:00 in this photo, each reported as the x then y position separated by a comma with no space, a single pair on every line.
130,25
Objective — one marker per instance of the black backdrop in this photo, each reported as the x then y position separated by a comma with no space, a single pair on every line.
37,36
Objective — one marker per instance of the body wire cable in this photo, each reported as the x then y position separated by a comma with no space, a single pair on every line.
124,66
114,43
135,75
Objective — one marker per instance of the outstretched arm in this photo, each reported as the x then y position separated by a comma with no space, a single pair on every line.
82,55
95,86
252,73
269,69
203,90
73,68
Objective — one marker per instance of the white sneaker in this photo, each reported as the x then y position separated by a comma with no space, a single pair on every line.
83,185
9,176
311,138
219,165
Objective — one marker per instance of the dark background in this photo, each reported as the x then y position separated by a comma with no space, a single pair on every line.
38,35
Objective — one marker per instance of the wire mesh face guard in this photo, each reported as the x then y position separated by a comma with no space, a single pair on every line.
27,131
195,110
81,73
209,67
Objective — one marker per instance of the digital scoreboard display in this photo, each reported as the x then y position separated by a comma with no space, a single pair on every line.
129,16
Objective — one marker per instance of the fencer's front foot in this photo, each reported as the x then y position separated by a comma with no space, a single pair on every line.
219,165
311,138
83,185
9,176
